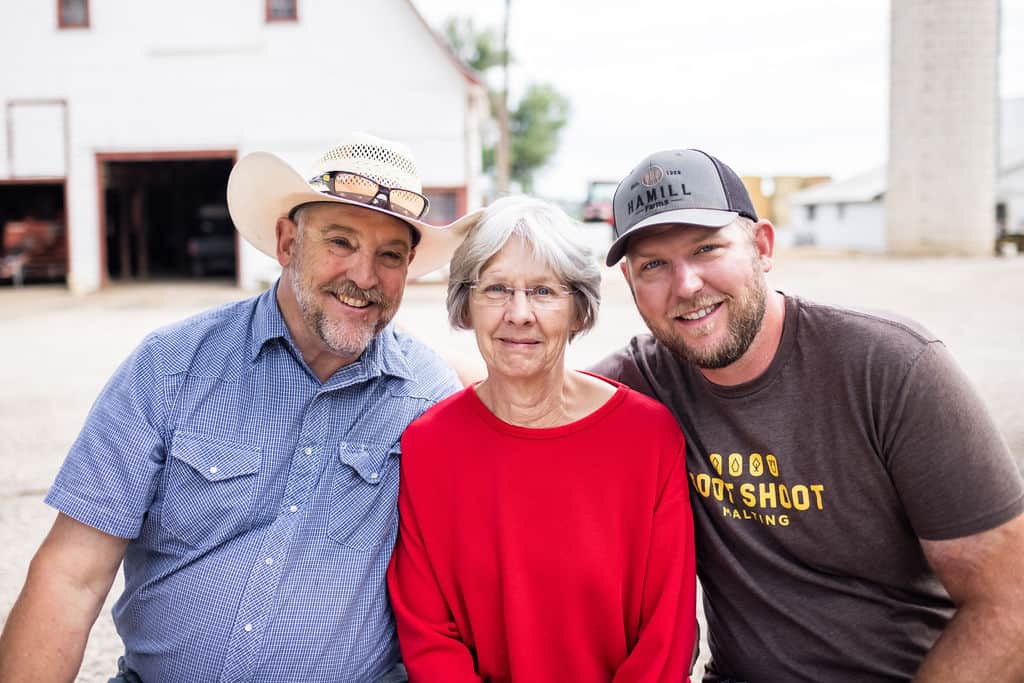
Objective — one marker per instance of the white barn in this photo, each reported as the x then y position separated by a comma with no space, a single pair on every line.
124,118
850,213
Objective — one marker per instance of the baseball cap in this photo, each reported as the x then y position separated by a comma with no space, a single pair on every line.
684,186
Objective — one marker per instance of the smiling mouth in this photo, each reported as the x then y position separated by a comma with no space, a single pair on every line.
519,342
699,314
352,301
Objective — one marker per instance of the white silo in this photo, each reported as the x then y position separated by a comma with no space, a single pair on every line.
942,126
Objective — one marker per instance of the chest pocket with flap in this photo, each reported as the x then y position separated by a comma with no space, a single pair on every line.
364,495
209,488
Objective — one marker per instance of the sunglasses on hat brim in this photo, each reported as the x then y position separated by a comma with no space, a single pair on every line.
359,188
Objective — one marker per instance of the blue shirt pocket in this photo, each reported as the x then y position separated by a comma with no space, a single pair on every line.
364,495
209,486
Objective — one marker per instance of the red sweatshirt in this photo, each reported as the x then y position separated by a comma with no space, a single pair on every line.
532,555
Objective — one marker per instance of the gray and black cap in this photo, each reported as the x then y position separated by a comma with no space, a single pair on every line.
679,186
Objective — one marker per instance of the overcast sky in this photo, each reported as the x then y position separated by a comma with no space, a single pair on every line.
786,87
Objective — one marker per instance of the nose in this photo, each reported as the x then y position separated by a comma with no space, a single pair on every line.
688,281
519,310
363,270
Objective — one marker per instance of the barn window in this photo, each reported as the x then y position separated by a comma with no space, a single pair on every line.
282,10
73,13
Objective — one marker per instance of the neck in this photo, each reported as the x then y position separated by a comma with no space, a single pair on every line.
321,360
530,402
762,350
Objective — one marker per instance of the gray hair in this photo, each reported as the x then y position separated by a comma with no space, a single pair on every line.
555,240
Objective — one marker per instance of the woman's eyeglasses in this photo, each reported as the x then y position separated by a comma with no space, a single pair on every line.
359,188
539,296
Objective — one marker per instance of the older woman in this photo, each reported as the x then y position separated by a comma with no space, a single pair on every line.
545,528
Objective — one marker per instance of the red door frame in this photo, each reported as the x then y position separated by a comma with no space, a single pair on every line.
191,155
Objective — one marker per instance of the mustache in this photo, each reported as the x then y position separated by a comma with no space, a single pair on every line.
351,290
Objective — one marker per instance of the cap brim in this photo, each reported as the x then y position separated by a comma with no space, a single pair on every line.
263,187
702,218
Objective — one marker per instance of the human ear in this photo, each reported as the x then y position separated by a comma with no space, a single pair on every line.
286,231
764,243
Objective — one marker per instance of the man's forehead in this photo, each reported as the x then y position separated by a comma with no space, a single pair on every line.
660,234
327,216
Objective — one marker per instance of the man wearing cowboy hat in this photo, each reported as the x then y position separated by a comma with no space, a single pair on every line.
243,463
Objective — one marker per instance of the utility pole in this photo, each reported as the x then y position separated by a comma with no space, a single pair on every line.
502,154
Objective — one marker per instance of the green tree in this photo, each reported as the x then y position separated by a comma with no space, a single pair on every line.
478,49
537,119
534,127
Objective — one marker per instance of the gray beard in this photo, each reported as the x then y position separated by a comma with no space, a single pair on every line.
343,339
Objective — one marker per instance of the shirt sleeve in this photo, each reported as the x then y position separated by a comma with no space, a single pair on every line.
109,476
952,469
668,629
431,647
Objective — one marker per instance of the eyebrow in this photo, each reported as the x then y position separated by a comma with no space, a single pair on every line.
346,230
640,250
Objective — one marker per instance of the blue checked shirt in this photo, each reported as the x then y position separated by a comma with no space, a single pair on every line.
261,503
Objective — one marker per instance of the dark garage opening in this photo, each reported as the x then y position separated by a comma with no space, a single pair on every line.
33,232
168,218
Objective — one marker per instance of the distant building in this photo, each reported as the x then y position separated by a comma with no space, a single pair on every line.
850,213
846,214
124,118
1010,183
770,195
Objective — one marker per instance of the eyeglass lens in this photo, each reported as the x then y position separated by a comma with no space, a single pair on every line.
359,188
542,296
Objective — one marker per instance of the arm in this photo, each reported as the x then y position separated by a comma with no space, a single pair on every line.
984,575
962,492
668,628
68,580
432,649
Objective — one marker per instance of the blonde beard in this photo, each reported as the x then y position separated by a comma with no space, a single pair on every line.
745,316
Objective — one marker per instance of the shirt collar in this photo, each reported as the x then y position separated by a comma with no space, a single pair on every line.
383,355
267,322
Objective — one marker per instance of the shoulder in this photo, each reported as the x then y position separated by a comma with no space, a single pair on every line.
637,364
447,416
206,337
426,442
882,325
647,414
645,429
636,413
875,336
642,347
429,376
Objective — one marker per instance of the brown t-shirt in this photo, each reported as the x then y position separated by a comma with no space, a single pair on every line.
812,484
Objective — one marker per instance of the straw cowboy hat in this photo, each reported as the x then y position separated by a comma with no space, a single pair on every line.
362,170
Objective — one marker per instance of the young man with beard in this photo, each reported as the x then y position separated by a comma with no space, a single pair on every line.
858,516
244,463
